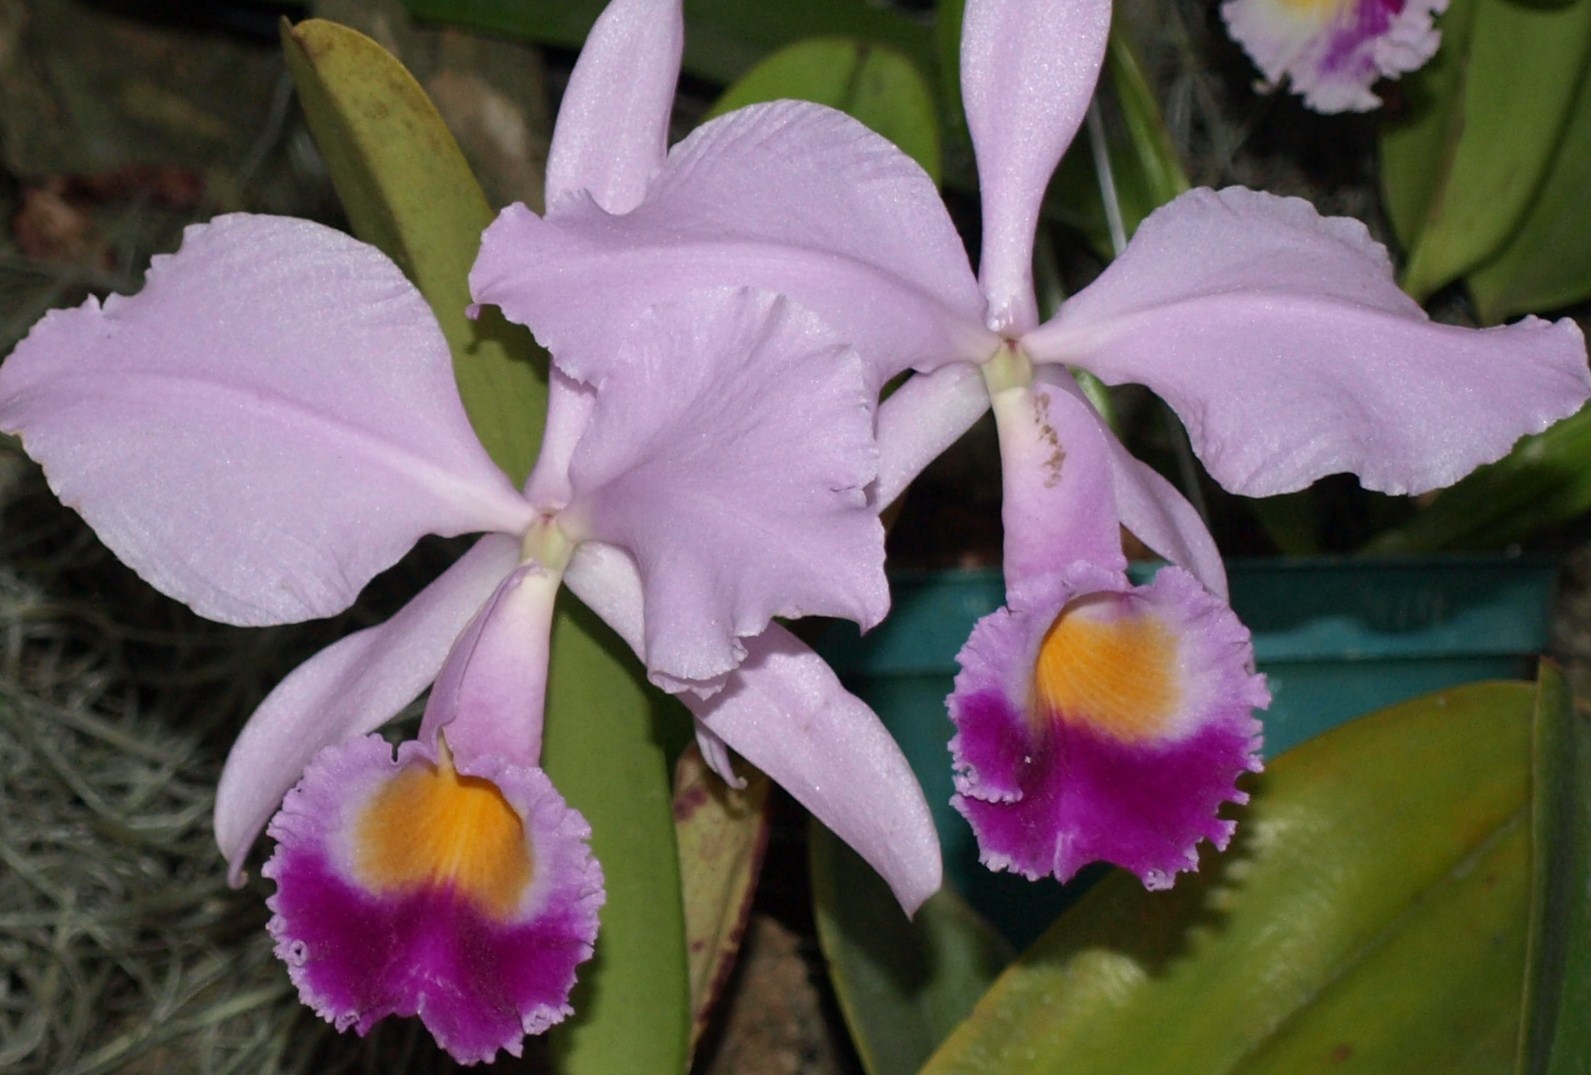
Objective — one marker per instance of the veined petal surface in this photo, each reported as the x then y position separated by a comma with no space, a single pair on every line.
789,196
612,129
268,424
924,416
1109,723
465,895
785,712
1282,342
1028,69
729,453
351,687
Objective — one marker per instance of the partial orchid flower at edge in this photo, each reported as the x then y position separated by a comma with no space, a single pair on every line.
273,420
1277,335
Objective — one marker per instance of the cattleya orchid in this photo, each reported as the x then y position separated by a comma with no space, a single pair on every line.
1332,51
273,420
1095,719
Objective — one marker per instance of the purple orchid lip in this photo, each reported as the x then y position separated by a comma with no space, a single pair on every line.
1105,722
412,887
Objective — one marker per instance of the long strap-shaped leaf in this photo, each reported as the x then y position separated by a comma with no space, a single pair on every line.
407,190
1371,917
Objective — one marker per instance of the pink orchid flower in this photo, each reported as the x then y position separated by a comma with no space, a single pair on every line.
1333,51
1095,719
273,420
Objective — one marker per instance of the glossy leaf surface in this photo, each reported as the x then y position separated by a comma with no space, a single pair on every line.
903,985
1556,1038
407,190
872,83
1370,917
603,751
1483,122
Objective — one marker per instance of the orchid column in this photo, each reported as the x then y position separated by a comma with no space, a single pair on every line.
1095,719
273,420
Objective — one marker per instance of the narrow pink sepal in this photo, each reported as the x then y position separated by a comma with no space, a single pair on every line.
786,713
1058,505
1332,53
1048,793
729,454
612,131
790,197
268,424
1160,516
490,695
1028,69
1281,340
350,688
480,981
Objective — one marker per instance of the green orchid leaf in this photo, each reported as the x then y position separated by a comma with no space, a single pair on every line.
1544,482
722,832
408,191
903,985
872,83
1546,264
603,752
1556,1038
724,37
1371,917
1484,120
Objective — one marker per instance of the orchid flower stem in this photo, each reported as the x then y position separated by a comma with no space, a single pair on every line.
1107,179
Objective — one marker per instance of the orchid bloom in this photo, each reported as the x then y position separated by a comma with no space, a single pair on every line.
1332,51
1095,720
273,420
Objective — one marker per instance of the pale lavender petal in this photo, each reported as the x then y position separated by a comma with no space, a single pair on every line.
607,581
612,131
1333,51
569,405
268,424
491,694
465,896
788,196
1057,502
1161,517
1109,725
346,690
1283,343
1028,69
922,418
729,455
786,713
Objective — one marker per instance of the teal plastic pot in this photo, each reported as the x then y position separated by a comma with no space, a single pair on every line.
1335,637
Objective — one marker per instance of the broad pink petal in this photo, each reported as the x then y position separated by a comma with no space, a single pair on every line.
490,697
1283,343
612,130
268,424
404,887
1109,723
350,688
922,418
729,454
1057,503
1333,52
786,713
789,196
1028,69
